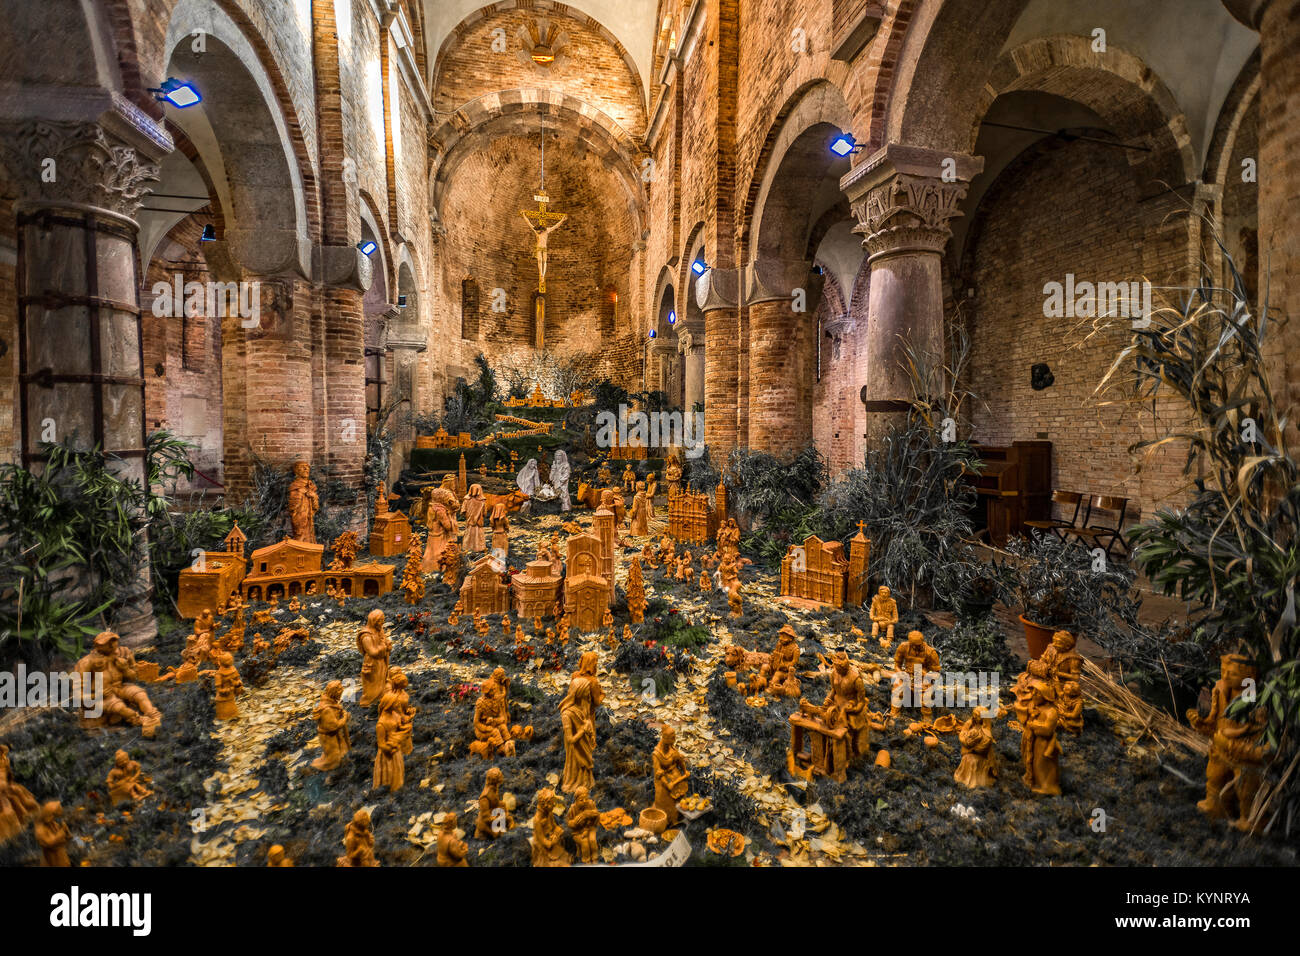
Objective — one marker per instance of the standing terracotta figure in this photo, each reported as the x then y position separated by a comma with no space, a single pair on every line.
782,670
1039,748
500,519
474,507
227,686
492,820
848,691
548,835
884,613
52,835
303,504
206,623
673,475
16,801
392,736
441,521
578,719
582,818
375,647
672,778
735,604
452,851
913,661
979,761
359,842
640,512
1234,770
331,727
126,782
123,702
1063,662
651,489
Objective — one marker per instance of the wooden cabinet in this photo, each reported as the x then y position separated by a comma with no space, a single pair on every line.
1014,486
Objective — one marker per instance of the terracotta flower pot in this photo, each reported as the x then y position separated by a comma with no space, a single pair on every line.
654,820
1037,637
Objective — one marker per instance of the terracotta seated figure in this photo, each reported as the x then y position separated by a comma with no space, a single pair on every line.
359,842
979,758
126,782
548,835
493,818
583,818
671,776
884,615
452,850
123,701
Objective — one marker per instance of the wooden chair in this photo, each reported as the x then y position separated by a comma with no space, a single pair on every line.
1056,526
1094,534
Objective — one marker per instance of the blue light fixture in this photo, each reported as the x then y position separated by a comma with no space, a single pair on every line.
844,144
367,247
653,333
672,318
176,92
209,234
699,267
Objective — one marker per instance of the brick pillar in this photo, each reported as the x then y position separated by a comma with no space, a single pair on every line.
1279,188
78,289
782,299
717,293
345,386
903,197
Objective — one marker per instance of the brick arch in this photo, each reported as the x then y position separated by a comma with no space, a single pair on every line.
249,71
1241,98
1117,85
377,225
458,33
476,121
685,277
667,283
809,103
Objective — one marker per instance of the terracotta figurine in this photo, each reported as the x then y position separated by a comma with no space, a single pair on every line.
640,524
582,818
979,759
474,508
303,504
123,702
548,835
1039,749
884,613
452,850
493,819
393,734
441,522
915,663
16,802
672,778
848,691
126,782
359,842
1234,770
52,835
331,727
578,719
375,647
276,857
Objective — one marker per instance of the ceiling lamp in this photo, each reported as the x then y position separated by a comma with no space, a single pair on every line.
177,93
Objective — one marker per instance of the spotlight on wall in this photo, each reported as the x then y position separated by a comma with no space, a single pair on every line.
367,247
401,301
672,318
699,267
844,144
209,233
177,93
653,333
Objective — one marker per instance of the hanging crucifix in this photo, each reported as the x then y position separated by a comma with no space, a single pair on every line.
543,223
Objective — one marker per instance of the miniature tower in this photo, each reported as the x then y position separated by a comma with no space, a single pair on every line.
236,540
602,526
462,479
720,503
859,554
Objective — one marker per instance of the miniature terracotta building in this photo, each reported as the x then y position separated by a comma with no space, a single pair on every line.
855,591
816,571
390,534
483,591
535,591
287,568
691,519
211,580
602,527
586,589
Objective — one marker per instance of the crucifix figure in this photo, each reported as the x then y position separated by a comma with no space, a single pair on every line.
543,223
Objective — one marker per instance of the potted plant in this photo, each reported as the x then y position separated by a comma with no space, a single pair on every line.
1062,586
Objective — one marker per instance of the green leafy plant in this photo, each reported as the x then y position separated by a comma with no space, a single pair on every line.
1233,549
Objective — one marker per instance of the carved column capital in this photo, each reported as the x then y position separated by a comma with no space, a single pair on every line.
74,162
904,198
718,289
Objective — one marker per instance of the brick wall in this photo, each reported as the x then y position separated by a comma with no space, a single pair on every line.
1060,208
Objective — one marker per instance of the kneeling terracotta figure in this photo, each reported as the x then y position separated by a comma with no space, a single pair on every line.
126,782
548,835
359,842
979,760
452,850
583,817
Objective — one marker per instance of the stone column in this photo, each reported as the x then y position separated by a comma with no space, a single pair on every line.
903,198
80,184
782,297
346,274
717,293
691,345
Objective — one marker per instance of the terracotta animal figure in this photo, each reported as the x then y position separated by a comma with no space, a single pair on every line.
513,501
